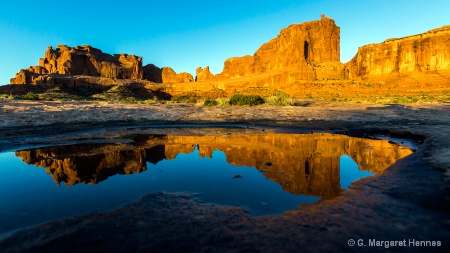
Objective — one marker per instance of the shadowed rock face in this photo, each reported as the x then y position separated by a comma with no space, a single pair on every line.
423,53
152,73
84,60
306,164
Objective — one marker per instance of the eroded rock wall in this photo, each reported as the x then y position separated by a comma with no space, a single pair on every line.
309,48
82,60
295,61
203,74
168,75
423,53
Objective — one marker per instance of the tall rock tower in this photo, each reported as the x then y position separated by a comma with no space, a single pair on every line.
311,48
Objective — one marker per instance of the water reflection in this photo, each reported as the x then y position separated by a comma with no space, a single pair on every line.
307,164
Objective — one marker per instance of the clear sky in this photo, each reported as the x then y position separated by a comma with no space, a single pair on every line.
191,33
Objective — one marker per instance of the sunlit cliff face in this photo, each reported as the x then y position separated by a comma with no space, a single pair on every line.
306,164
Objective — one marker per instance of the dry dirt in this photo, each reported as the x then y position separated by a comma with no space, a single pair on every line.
410,200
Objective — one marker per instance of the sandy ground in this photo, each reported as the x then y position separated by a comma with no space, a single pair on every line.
410,200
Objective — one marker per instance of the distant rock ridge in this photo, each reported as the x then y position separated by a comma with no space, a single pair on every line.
296,61
89,61
311,49
428,52
170,76
84,60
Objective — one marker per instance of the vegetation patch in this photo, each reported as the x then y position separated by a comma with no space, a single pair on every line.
281,98
7,96
222,102
405,100
210,102
251,100
31,96
188,98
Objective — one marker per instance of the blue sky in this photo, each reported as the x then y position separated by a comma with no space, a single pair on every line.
187,34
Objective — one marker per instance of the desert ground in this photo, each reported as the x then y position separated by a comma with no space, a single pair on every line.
410,200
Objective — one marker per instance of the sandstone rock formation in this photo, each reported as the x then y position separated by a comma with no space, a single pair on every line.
423,53
302,163
203,74
170,76
308,48
84,60
152,73
303,61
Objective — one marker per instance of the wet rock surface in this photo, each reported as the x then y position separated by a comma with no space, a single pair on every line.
410,200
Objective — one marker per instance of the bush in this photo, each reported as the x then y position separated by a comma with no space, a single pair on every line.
31,96
210,102
251,100
405,100
130,100
190,98
223,102
281,98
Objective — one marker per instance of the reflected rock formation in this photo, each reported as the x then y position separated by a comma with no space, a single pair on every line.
306,164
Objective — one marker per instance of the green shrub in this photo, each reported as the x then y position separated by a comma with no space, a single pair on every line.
239,99
405,100
281,98
223,102
130,100
210,102
31,96
6,96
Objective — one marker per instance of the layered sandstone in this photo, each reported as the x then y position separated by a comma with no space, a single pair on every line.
303,61
306,164
426,53
203,74
84,60
168,75
309,48
165,75
63,63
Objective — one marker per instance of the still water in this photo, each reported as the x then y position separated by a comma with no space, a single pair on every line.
265,173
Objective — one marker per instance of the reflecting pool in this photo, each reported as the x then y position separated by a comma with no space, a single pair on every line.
265,173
